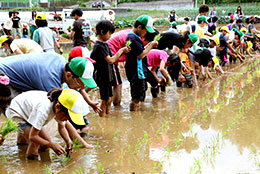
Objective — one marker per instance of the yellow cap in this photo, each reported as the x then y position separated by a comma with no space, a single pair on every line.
74,102
225,28
41,16
215,39
3,39
243,29
258,35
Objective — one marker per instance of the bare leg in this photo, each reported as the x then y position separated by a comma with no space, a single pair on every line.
103,107
134,105
108,107
117,94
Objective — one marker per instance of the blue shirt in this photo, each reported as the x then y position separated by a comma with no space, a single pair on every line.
38,71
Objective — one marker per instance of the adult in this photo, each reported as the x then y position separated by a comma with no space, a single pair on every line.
32,23
44,36
110,15
213,12
172,18
251,27
81,29
203,10
8,24
17,26
238,13
46,71
20,46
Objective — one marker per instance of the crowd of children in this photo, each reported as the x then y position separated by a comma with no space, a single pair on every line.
42,85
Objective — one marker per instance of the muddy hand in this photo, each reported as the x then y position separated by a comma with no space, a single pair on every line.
57,149
96,107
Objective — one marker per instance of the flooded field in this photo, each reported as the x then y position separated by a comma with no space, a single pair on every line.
210,130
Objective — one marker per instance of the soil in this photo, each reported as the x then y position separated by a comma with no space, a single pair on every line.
63,39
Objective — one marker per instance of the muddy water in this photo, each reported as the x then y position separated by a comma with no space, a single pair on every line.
214,129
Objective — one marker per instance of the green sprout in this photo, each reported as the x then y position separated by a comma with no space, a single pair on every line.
7,127
128,43
157,37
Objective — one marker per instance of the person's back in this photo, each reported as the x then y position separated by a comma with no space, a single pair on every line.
41,71
26,46
79,38
45,37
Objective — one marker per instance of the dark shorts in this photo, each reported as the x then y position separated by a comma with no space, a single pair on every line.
22,126
151,79
188,77
80,126
138,89
117,78
105,91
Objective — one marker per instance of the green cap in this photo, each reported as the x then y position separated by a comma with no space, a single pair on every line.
202,18
83,68
147,21
234,29
173,23
193,38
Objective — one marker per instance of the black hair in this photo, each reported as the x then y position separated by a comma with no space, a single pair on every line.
222,42
150,36
67,69
76,11
193,28
105,26
41,23
175,66
184,38
239,21
231,20
199,22
204,43
9,41
214,19
2,24
186,19
53,96
10,13
137,23
203,56
229,13
203,8
33,16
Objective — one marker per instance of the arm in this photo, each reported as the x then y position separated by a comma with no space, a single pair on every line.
58,46
70,34
94,105
154,74
18,51
147,49
35,138
114,58
64,135
208,73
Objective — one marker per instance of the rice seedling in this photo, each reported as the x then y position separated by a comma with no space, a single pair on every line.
115,133
100,168
47,169
7,127
3,157
157,37
79,171
128,43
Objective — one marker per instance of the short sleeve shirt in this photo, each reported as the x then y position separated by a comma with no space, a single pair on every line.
16,22
32,107
184,58
79,39
199,32
26,46
154,57
44,37
169,39
103,70
135,68
41,71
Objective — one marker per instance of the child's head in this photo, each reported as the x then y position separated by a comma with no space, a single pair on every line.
174,25
189,40
76,13
149,37
41,20
186,20
204,43
244,30
204,9
252,20
6,41
239,22
224,30
105,29
202,21
143,24
173,66
68,105
24,25
15,13
231,21
5,92
229,13
214,19
2,25
203,56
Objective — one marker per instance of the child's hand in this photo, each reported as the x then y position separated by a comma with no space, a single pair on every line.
96,107
126,49
1,139
154,44
61,50
57,149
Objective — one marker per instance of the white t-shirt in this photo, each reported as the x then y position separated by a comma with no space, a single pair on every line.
213,51
31,107
26,46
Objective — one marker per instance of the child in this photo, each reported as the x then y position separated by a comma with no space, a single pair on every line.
104,66
230,24
33,109
136,70
173,27
2,29
202,21
16,29
212,25
186,67
25,31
